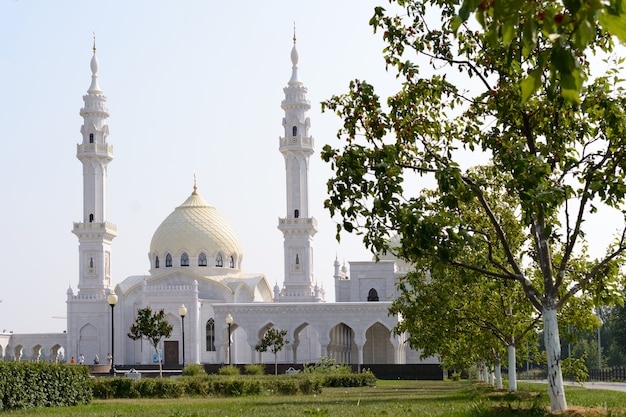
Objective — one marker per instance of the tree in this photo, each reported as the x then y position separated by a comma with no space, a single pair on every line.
522,96
274,341
152,327
467,304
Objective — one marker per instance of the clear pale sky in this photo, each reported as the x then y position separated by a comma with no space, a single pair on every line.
192,86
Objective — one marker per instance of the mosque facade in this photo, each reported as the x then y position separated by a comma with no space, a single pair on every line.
196,263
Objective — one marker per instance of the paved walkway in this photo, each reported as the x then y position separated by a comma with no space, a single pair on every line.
612,386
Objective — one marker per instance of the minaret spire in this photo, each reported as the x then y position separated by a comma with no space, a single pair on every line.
298,226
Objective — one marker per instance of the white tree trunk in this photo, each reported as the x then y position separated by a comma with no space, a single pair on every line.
498,367
553,352
512,369
486,372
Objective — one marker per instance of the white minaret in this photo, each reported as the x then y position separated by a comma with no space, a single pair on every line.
94,232
298,226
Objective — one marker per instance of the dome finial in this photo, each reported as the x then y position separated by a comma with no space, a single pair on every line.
294,60
94,88
195,184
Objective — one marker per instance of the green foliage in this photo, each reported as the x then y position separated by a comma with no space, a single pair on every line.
576,367
152,327
28,385
229,370
193,369
273,341
220,385
363,379
326,365
515,92
254,369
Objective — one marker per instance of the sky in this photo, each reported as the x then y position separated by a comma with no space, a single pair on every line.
192,86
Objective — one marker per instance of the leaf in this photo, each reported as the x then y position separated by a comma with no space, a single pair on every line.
530,84
614,24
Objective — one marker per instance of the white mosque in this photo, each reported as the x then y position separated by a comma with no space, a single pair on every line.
196,269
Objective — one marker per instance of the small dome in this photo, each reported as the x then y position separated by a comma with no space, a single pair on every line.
196,227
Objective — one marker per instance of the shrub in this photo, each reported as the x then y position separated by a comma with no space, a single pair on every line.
193,369
123,388
26,385
255,369
195,386
365,378
326,365
229,370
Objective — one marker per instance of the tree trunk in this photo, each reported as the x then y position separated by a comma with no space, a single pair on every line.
156,349
275,363
512,369
553,352
498,367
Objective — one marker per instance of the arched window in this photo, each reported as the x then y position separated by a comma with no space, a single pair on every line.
297,259
91,138
296,213
372,295
210,335
156,261
294,131
219,260
184,259
202,259
91,218
168,260
232,261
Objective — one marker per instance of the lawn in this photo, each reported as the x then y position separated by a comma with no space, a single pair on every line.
389,398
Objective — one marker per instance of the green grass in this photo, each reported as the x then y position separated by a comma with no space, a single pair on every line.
389,398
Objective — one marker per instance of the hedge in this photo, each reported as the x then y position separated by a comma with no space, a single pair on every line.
206,385
27,385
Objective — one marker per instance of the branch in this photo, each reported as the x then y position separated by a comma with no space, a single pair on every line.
594,271
456,61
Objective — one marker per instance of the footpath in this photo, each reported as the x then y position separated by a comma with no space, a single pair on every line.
612,386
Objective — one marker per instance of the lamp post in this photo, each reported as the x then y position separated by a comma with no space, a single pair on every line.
112,300
229,321
182,310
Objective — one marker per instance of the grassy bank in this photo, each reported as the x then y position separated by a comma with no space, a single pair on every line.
389,398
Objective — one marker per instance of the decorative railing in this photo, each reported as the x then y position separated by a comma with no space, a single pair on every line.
297,141
94,147
298,221
94,225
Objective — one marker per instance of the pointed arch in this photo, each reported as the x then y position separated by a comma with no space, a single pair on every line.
184,259
210,335
378,347
219,260
342,347
372,295
202,261
168,260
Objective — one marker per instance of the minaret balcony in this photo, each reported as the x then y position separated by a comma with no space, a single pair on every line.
94,149
297,142
92,229
299,225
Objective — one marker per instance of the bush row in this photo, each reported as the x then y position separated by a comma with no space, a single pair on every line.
220,385
203,385
27,384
